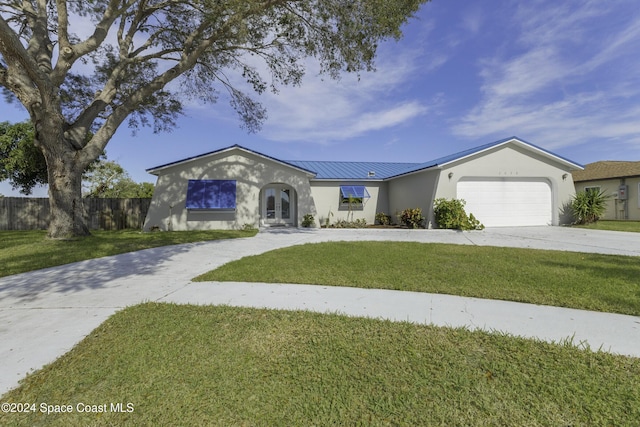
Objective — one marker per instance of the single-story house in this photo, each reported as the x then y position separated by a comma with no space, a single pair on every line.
505,183
619,180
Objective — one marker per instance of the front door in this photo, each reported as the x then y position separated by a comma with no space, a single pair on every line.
278,205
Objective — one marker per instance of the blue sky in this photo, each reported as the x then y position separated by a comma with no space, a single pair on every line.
562,75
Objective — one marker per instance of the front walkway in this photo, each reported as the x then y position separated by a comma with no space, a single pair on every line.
44,313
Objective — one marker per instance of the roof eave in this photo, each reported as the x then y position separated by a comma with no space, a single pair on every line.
414,171
521,143
316,179
155,170
604,178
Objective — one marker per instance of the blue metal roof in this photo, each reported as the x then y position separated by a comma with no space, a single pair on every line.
375,171
353,170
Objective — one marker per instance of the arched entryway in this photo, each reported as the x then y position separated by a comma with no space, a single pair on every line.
278,204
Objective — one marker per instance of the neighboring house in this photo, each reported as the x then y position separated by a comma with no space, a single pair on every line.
619,180
505,183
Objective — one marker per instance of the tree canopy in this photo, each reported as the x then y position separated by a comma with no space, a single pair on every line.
24,166
107,179
84,67
21,162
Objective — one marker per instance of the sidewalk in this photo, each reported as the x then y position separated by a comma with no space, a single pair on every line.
44,313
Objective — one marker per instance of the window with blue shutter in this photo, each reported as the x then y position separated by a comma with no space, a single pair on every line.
353,196
211,194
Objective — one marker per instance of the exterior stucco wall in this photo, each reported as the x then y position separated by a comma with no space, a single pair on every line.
326,195
413,191
512,162
616,208
251,172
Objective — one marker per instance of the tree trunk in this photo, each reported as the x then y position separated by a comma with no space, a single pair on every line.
68,217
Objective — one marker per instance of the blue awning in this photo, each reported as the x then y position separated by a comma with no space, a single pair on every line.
211,194
357,191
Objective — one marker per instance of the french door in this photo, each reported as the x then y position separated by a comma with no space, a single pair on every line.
278,205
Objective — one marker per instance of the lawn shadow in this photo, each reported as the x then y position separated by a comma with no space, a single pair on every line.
89,274
621,272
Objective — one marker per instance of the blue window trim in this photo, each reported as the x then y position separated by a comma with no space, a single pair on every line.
211,194
357,191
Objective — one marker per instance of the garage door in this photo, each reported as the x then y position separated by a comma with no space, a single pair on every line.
501,203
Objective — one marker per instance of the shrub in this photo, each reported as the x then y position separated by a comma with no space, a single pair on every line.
588,206
383,219
308,220
343,223
452,215
412,217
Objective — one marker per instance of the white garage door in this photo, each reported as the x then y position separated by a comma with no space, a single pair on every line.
500,203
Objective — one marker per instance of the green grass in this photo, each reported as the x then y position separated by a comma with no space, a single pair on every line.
22,251
567,279
632,226
186,365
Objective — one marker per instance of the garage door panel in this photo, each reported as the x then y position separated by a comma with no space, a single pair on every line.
507,202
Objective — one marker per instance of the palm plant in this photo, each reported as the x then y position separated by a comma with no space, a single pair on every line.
589,205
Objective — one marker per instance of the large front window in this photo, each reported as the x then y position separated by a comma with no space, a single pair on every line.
211,194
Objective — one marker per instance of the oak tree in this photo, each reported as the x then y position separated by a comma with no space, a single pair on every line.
84,67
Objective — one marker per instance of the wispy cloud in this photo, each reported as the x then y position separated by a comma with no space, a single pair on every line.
322,110
542,87
472,20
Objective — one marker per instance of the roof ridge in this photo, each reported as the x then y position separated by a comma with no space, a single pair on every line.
613,161
354,161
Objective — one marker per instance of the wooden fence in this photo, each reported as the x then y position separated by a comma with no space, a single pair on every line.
25,213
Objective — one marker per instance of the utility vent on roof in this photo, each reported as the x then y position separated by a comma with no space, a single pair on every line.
372,174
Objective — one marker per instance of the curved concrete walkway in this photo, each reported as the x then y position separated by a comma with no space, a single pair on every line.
44,313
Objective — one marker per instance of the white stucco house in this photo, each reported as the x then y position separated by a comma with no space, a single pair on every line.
505,183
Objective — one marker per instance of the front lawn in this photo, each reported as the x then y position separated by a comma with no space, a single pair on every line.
186,365
22,251
633,226
608,283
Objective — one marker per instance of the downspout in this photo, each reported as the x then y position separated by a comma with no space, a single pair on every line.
625,202
431,218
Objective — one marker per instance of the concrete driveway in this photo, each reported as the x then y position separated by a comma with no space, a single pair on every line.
44,313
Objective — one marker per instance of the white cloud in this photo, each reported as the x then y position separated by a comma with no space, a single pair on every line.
322,110
564,79
337,125
472,20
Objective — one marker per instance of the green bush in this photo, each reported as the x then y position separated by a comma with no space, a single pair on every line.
452,215
412,217
308,220
588,206
383,219
343,223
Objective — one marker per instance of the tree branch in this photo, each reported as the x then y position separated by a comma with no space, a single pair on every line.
64,45
71,53
40,46
16,56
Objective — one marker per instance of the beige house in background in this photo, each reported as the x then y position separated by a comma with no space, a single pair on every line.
619,180
505,183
